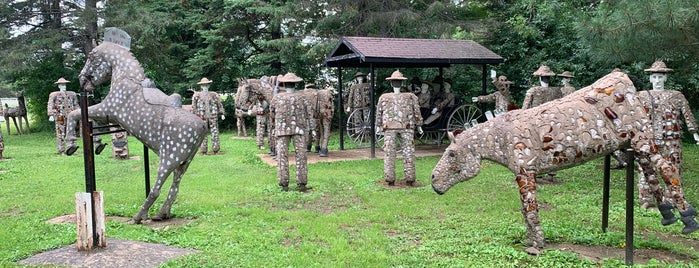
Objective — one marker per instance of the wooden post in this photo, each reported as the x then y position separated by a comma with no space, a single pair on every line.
90,220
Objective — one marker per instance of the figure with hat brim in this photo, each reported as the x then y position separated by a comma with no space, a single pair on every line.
207,106
441,99
61,103
502,97
358,96
566,89
292,117
667,109
424,98
537,95
397,116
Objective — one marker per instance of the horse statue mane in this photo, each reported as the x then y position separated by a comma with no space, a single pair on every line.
587,124
171,132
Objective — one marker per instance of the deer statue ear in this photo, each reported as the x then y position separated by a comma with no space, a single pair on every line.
451,136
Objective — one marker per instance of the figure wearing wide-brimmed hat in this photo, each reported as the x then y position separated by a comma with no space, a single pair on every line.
501,97
292,117
667,109
565,80
61,103
397,116
359,95
208,106
537,95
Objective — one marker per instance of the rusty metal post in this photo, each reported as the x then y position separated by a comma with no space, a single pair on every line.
629,205
605,193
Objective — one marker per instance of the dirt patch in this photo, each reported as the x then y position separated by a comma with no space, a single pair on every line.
400,184
117,253
354,154
173,222
640,256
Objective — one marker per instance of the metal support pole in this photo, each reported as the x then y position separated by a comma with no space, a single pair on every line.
89,158
629,205
372,112
146,168
340,122
605,193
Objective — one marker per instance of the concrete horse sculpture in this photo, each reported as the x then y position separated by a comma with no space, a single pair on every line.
587,124
250,90
172,133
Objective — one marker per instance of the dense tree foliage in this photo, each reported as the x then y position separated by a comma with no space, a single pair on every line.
179,42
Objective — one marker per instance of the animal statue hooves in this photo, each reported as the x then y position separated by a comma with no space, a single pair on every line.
100,148
71,149
133,221
160,217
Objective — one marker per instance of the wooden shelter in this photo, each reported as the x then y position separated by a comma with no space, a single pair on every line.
376,52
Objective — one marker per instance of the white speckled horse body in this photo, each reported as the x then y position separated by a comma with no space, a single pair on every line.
585,125
172,133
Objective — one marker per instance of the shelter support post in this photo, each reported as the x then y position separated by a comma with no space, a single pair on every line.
340,122
372,111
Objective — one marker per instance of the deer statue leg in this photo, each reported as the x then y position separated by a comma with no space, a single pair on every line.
25,121
527,193
7,122
19,130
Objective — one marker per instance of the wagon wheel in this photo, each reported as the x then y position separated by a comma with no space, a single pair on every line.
463,117
359,129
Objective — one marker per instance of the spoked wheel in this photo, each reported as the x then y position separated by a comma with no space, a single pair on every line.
359,129
463,117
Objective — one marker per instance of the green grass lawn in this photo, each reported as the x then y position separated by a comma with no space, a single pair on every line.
242,219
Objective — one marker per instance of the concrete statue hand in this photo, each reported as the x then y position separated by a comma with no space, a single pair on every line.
51,118
434,110
696,137
419,130
223,117
474,99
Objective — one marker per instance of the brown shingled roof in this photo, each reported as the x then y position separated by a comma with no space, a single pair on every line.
406,52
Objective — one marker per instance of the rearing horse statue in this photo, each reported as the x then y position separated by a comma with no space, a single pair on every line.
172,133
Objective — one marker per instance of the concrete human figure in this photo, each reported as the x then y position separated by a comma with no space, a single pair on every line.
443,99
502,97
397,116
293,120
667,109
120,145
565,80
261,110
61,103
424,98
310,92
207,106
537,95
415,85
359,94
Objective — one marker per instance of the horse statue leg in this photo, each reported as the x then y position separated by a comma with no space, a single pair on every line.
73,119
164,212
527,191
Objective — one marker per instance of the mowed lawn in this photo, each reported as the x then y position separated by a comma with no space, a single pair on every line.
240,218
